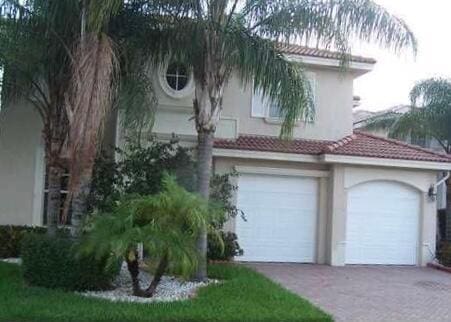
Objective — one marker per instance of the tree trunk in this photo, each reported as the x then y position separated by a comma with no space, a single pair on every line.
133,269
53,198
161,269
79,206
204,159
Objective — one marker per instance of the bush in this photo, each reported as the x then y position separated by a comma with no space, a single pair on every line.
11,238
52,262
445,254
231,247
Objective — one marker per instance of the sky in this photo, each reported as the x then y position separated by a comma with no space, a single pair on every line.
395,74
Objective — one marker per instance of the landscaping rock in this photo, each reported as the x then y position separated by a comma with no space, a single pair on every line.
17,261
170,289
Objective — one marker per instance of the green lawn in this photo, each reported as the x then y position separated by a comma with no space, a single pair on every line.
245,296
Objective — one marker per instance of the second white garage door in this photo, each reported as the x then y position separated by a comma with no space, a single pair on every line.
382,224
281,213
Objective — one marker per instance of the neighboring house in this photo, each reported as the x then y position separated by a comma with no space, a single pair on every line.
363,117
328,196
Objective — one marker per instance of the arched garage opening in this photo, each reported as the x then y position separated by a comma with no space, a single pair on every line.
382,224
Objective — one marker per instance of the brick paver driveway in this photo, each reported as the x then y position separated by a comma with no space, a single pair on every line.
369,293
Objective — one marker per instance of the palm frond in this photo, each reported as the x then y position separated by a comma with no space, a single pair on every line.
328,23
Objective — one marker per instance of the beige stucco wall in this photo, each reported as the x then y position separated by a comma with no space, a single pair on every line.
333,120
21,166
344,178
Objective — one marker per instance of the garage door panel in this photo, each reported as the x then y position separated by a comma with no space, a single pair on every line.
281,214
382,224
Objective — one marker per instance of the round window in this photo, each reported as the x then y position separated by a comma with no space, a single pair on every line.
176,80
177,76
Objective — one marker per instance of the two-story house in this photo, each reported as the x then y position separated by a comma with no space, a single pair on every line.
330,195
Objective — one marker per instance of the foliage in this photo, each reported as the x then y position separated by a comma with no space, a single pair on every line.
11,238
245,295
166,224
222,189
428,117
139,170
226,250
444,254
52,262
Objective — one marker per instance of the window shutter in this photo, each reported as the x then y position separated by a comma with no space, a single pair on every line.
258,105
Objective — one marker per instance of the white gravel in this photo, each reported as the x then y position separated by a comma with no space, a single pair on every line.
17,261
170,289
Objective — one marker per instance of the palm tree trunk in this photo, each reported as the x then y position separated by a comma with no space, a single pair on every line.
79,206
133,269
161,269
205,156
53,198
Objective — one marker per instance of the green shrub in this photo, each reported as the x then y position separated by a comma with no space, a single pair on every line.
445,254
11,238
52,262
231,247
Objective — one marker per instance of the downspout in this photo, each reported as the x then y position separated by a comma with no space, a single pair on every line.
433,189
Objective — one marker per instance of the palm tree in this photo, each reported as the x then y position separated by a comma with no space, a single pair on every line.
33,54
56,55
166,224
429,115
108,70
220,37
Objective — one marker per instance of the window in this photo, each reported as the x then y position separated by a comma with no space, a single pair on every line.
63,193
176,80
177,76
262,107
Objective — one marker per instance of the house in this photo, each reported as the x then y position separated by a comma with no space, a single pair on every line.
331,195
364,117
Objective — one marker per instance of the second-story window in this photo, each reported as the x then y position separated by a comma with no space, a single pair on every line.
263,108
176,80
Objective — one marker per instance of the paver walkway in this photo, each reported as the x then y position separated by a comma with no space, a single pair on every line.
369,293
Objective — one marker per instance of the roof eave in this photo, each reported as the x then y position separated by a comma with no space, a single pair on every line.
359,68
386,162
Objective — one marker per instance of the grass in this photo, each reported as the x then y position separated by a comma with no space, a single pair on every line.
245,296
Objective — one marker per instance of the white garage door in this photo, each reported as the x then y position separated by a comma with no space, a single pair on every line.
281,213
382,224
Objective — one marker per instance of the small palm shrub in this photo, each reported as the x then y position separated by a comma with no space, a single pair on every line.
53,262
167,224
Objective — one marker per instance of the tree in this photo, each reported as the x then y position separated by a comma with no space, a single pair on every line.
167,225
429,115
34,40
220,37
109,69
72,81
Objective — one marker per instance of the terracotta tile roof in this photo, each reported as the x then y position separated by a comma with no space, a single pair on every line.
273,144
358,144
368,145
321,53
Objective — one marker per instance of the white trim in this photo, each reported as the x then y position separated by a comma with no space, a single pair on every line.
261,155
318,61
392,163
38,189
282,172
